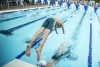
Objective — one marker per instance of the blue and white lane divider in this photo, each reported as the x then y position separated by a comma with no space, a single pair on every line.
1,21
9,31
38,41
90,44
95,9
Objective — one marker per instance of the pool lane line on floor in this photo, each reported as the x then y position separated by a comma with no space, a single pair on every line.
75,37
78,27
90,44
9,31
34,44
1,21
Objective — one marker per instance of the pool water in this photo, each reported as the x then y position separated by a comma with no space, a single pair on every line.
82,34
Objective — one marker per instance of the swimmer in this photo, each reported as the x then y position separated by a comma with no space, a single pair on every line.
47,27
64,51
55,58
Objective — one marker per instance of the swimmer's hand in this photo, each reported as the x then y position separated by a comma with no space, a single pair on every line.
63,29
56,30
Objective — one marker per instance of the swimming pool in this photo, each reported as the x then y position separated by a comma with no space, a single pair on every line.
82,32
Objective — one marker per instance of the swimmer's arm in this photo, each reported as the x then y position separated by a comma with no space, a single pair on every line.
63,47
63,29
56,29
63,51
60,47
59,21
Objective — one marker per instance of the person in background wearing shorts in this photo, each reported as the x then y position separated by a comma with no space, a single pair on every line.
47,27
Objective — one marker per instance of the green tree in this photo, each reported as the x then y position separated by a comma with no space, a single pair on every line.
97,1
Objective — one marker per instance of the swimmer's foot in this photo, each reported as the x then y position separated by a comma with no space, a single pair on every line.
28,50
38,51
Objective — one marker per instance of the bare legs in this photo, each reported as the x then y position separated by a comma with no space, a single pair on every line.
33,39
38,50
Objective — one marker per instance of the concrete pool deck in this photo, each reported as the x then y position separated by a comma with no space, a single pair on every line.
25,7
18,63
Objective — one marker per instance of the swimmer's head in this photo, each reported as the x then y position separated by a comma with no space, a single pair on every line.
42,63
59,25
58,22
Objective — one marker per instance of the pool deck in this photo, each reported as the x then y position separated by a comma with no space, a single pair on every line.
22,8
18,63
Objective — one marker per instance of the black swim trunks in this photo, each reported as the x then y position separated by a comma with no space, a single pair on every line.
49,23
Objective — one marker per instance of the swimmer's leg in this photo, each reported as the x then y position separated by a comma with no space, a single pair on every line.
33,39
38,50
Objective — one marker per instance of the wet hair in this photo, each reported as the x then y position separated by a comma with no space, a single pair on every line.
59,25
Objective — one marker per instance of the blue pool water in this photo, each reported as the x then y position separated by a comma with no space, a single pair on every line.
82,32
